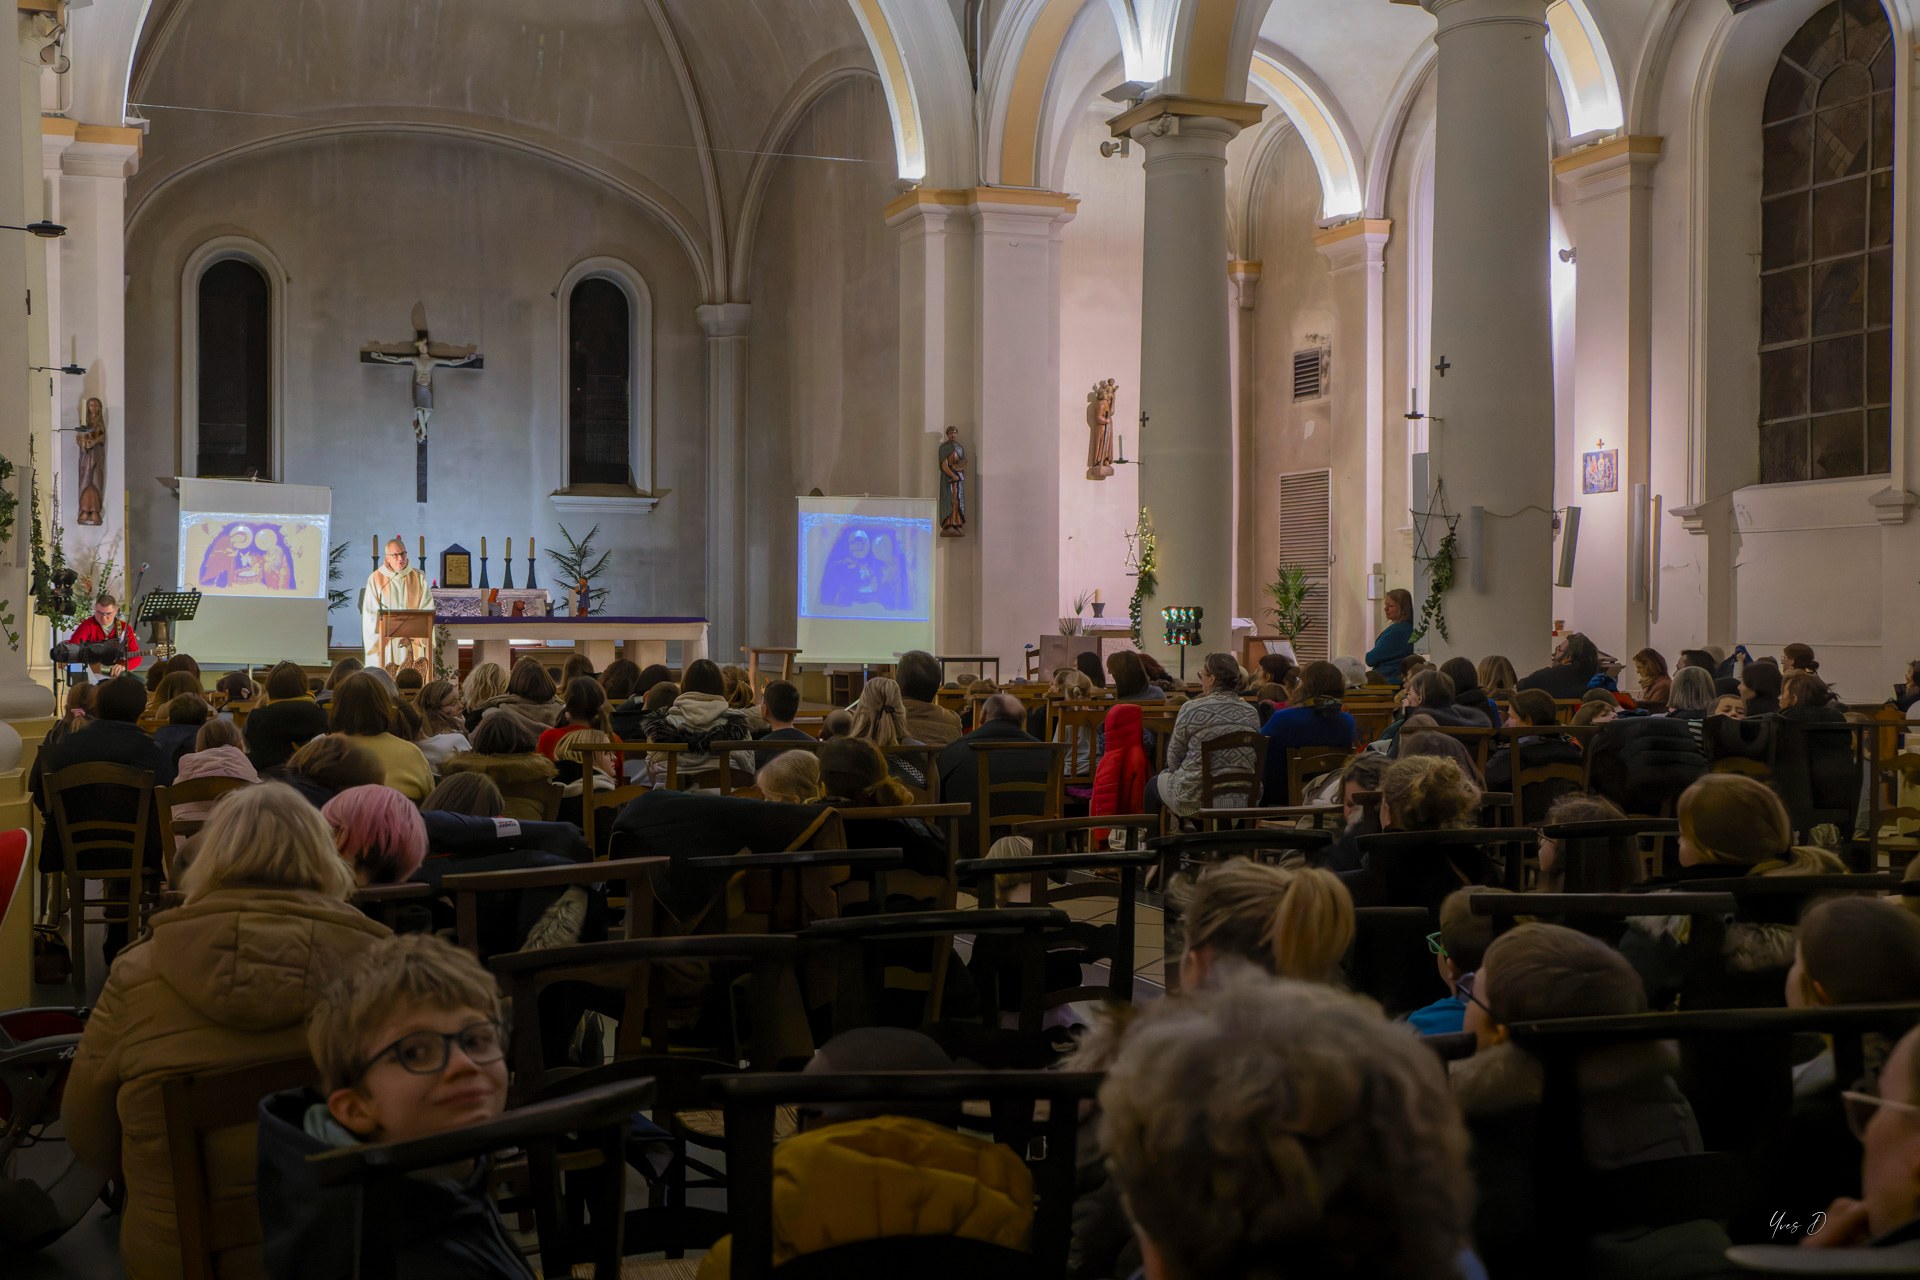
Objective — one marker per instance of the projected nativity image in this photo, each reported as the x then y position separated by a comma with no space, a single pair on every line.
253,555
854,566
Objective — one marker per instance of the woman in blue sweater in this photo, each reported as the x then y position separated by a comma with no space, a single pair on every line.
1314,720
1395,644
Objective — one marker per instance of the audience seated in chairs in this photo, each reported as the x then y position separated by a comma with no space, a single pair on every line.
409,1043
780,706
854,776
1458,949
1314,719
185,714
919,675
443,728
216,754
792,777
1002,720
1575,663
224,981
1120,779
626,713
1130,683
378,833
286,721
1531,709
699,717
112,736
487,681
598,771
1760,685
1656,686
364,713
880,718
1617,870
473,794
1421,793
1364,772
335,677
328,765
503,749
1496,675
529,695
1468,693
619,681
1218,710
584,708
1221,1110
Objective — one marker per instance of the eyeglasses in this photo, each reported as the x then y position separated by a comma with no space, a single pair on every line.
425,1053
1465,987
1436,946
1860,1108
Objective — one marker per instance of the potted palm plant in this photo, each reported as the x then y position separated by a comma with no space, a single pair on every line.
1290,590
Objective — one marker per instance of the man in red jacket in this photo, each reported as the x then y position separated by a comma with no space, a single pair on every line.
105,625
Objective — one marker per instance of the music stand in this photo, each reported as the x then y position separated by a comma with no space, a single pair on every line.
415,626
163,609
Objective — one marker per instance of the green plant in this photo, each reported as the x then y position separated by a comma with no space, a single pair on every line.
1289,591
9,511
1440,569
579,562
445,654
337,597
1146,578
51,583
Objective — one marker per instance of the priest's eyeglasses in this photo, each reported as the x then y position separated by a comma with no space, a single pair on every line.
425,1053
1860,1108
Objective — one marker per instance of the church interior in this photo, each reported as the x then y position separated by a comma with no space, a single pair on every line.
1297,515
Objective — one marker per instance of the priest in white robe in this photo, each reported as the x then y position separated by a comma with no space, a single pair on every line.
394,585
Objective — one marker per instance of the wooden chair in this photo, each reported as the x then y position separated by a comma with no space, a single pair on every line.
1043,892
1306,763
192,791
594,803
755,652
213,1117
595,1120
1074,835
1077,724
994,802
1285,815
99,848
753,1102
923,758
631,877
543,795
1537,786
396,905
1221,779
1158,721
1389,960
1901,772
1478,742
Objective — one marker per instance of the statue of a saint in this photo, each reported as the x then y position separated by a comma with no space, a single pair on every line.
953,486
1100,429
92,439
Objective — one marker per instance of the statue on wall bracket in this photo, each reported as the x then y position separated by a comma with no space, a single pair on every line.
953,486
1100,429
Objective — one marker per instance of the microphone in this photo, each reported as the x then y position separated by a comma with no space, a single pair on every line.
137,577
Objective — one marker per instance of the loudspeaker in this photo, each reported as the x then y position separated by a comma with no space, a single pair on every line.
1637,566
1569,543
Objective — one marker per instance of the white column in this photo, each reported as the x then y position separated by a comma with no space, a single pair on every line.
1243,277
90,329
1492,444
937,385
1606,196
1015,500
1356,256
23,342
1186,448
725,324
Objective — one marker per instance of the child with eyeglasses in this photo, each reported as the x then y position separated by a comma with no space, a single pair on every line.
1457,950
409,1043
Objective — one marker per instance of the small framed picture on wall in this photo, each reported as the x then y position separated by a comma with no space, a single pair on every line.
1600,471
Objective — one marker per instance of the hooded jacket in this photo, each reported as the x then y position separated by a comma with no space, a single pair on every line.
453,1232
889,1176
540,715
214,762
506,771
1643,762
1120,781
699,720
223,982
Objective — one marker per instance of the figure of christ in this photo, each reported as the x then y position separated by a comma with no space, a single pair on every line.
424,355
394,585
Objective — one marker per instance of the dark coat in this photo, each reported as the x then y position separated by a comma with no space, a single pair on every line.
1535,752
698,824
100,742
1814,769
1643,762
278,729
1414,877
452,1230
1562,682
1291,727
960,779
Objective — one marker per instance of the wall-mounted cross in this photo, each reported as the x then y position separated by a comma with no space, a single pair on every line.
1443,366
1143,420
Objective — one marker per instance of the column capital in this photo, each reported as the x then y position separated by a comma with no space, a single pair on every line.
1609,166
90,150
1453,15
1169,114
932,206
1244,275
724,319
1361,242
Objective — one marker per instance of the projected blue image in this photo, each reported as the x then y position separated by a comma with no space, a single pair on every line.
878,567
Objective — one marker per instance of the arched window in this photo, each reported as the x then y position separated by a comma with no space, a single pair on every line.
599,384
1826,250
234,418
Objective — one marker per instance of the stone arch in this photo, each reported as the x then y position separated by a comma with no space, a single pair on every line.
1316,117
929,90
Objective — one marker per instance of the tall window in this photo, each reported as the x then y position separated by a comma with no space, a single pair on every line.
600,383
236,373
1826,256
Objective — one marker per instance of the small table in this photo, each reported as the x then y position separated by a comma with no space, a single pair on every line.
754,652
593,637
979,660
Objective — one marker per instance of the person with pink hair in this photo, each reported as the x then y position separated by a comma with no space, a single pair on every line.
378,832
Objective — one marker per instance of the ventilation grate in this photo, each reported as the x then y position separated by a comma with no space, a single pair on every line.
1310,369
1306,539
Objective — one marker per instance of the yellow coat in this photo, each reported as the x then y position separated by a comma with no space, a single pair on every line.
889,1176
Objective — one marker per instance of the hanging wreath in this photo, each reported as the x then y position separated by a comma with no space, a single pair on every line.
1146,576
1440,567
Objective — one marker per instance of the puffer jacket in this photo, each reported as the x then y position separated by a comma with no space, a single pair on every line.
889,1176
214,762
1642,763
1120,782
223,982
699,720
540,716
507,771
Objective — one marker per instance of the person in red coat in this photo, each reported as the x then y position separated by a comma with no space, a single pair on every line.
104,625
1120,782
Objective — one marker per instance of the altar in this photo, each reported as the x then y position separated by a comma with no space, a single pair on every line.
594,637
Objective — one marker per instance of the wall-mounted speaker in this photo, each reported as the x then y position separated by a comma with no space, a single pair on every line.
1569,544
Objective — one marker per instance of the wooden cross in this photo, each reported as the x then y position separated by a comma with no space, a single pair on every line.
1443,366
424,355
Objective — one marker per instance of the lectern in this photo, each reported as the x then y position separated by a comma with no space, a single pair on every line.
412,628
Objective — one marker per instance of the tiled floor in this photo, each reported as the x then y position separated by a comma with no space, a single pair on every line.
1149,939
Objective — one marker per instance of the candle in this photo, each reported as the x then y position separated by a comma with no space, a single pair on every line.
509,553
529,548
483,546
376,548
423,548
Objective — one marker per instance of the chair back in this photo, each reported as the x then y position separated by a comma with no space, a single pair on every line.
212,1121
536,796
1233,764
1042,891
1077,724
628,878
922,759
99,848
1003,802
1390,961
1306,763
1536,787
173,828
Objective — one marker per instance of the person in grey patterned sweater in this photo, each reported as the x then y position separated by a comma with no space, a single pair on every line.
1219,709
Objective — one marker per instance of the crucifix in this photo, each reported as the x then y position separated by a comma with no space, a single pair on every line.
425,356
1444,365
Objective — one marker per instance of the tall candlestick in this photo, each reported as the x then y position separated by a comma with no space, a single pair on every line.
423,549
376,548
483,546
529,548
509,555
